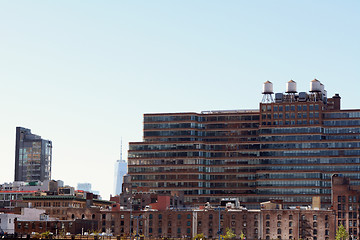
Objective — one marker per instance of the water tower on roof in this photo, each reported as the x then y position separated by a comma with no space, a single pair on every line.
291,90
315,86
317,90
291,87
267,92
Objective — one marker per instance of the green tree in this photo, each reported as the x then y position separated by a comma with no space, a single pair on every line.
242,235
199,236
341,233
229,234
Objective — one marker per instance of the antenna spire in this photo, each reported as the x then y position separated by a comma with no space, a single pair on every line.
121,149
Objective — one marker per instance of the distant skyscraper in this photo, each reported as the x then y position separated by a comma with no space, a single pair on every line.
120,171
84,187
33,156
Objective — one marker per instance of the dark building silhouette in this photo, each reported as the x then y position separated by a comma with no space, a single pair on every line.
33,156
286,150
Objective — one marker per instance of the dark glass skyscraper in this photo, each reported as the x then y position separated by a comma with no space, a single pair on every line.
288,149
33,156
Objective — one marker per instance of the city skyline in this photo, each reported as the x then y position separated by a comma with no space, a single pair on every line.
83,75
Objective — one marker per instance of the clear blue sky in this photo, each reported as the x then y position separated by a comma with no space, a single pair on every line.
82,73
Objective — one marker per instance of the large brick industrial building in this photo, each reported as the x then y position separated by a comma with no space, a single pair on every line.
286,150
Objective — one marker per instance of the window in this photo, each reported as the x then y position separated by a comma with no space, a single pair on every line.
279,224
279,231
267,224
268,231
188,216
279,217
267,216
314,217
160,216
290,217
290,224
179,216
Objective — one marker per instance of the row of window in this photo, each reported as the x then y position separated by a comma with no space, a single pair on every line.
280,108
290,115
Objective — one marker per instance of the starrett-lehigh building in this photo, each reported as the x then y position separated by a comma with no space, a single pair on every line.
288,150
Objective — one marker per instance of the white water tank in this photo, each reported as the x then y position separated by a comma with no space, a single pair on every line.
291,87
268,88
315,86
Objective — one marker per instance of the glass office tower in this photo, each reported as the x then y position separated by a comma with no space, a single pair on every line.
288,149
33,156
